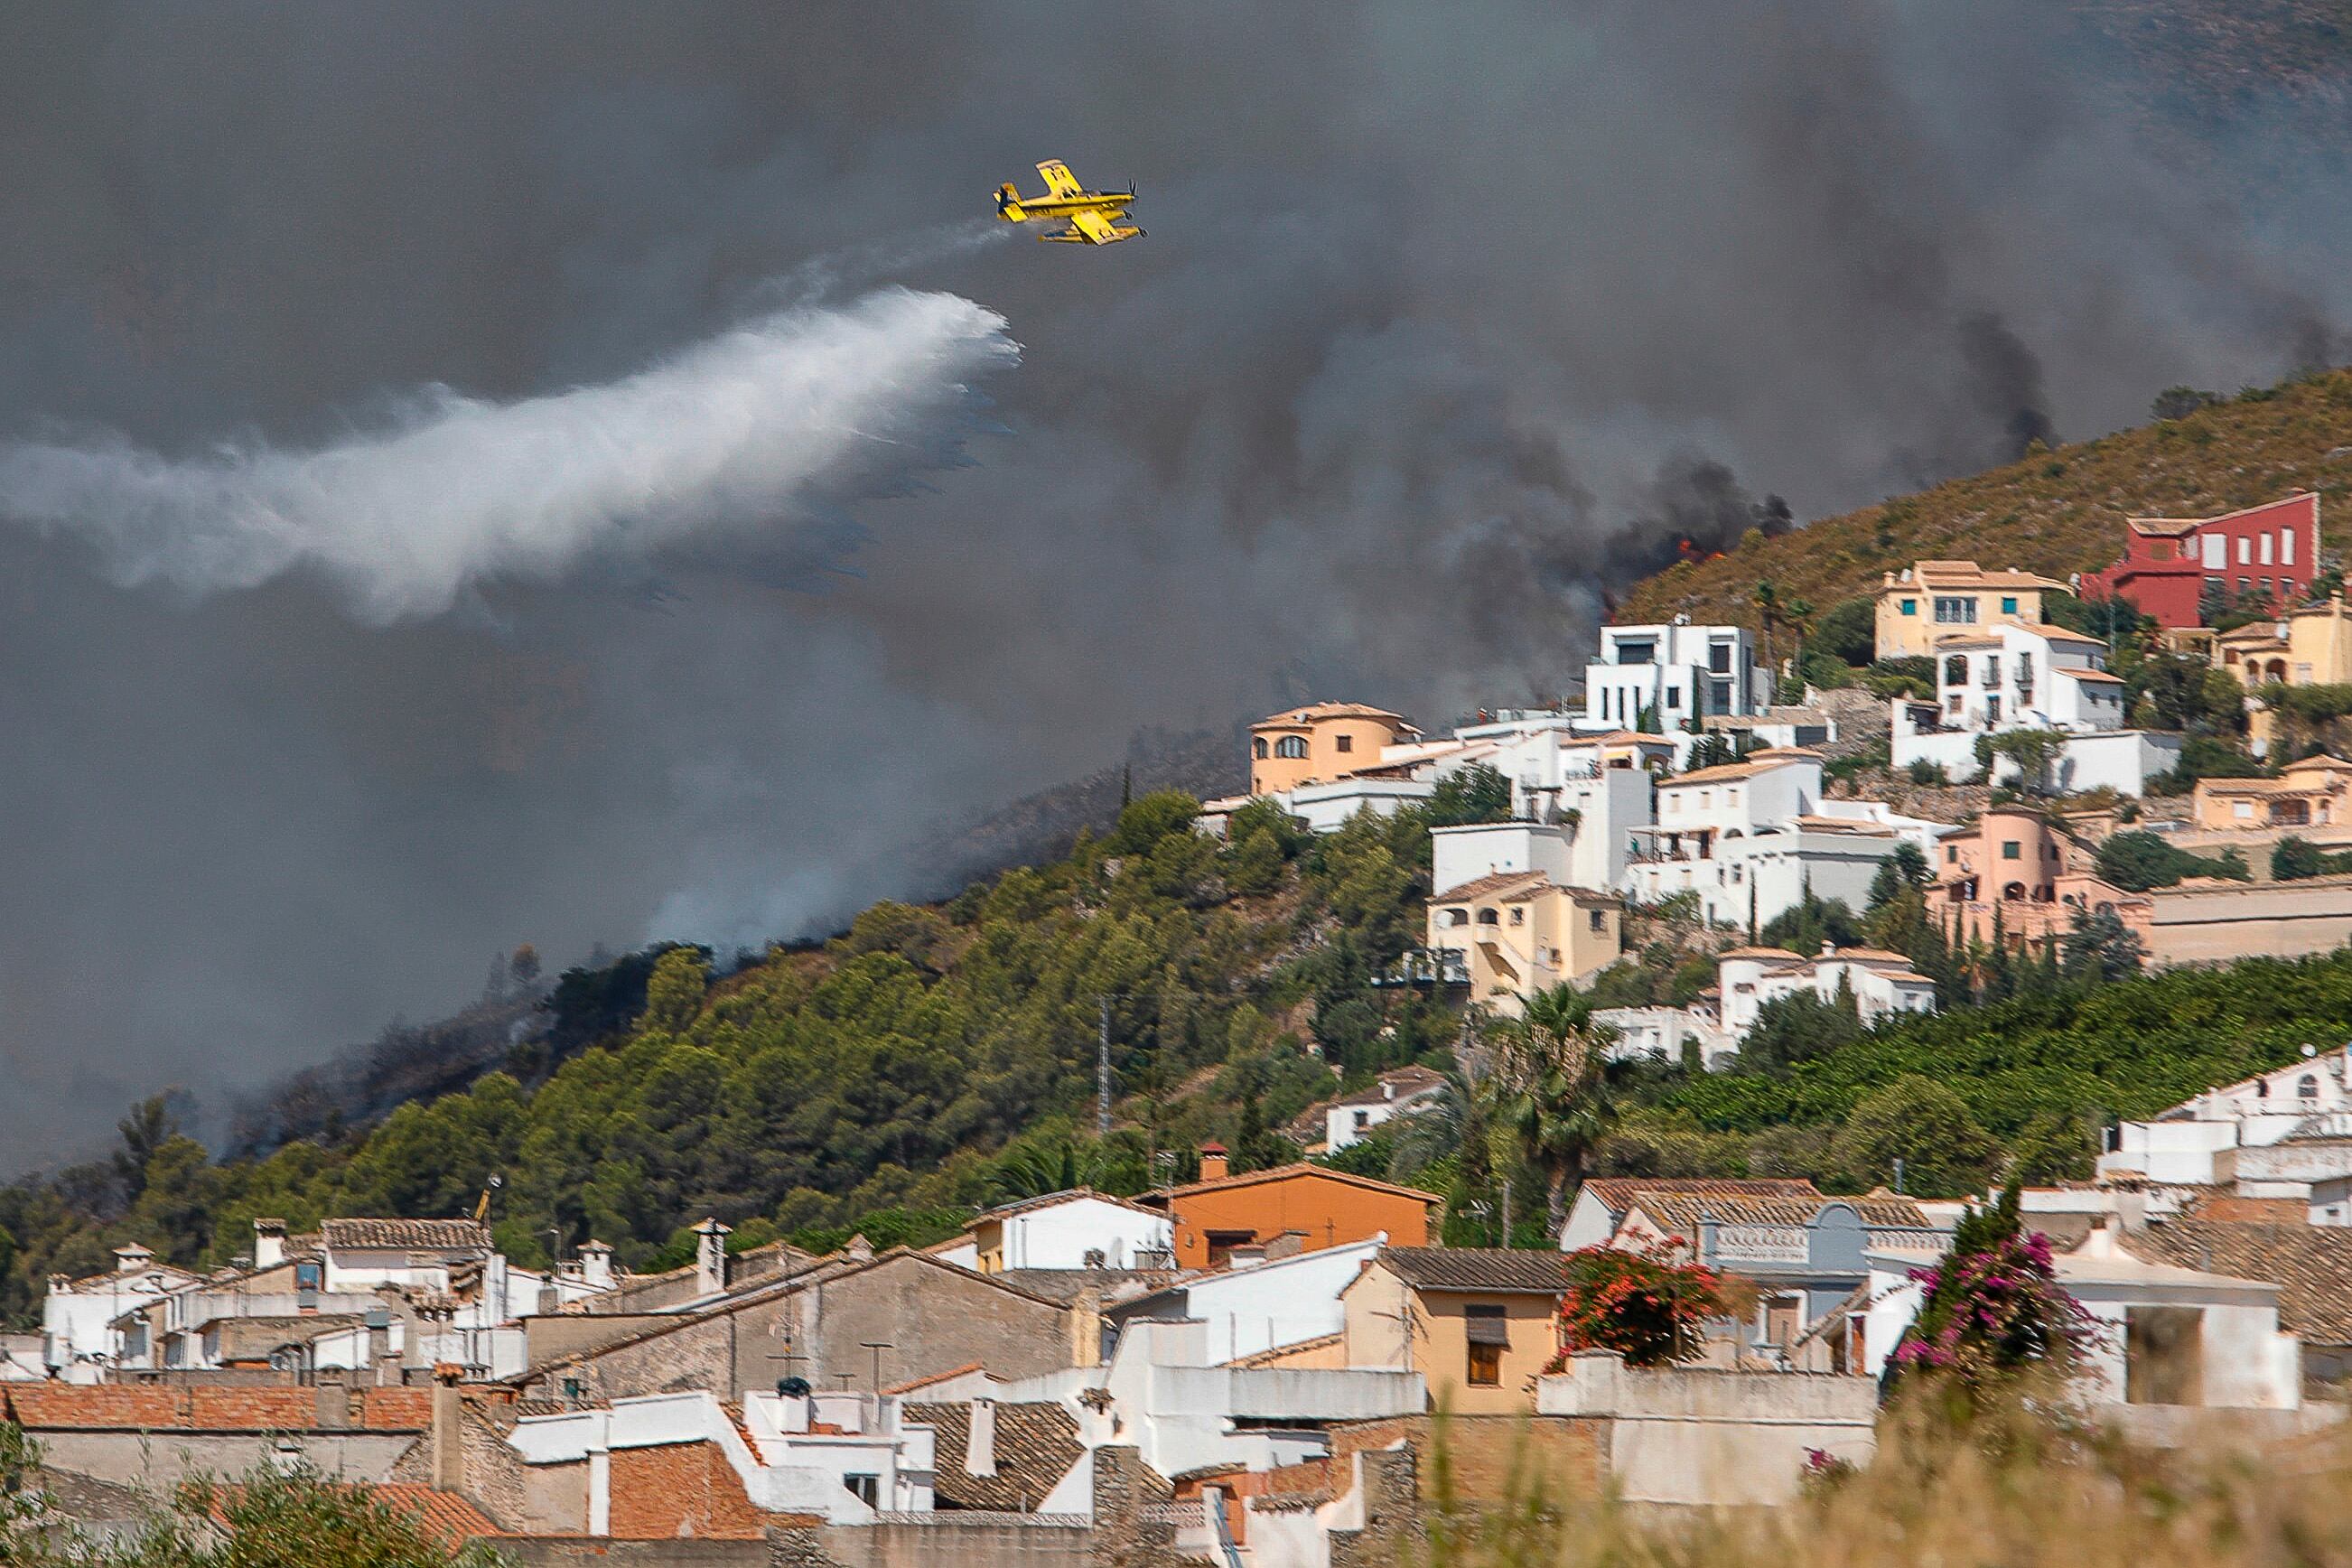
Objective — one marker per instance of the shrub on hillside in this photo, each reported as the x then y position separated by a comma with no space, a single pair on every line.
2138,860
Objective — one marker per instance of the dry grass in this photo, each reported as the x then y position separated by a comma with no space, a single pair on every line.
2056,512
2011,1496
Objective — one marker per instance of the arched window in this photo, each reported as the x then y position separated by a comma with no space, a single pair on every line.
1486,918
1290,746
2307,1088
1457,917
2014,892
1257,748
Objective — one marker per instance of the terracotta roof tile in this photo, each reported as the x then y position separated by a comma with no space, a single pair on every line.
1481,1269
1492,883
2311,1264
443,1514
1617,1192
1408,1081
198,1408
1037,1444
418,1234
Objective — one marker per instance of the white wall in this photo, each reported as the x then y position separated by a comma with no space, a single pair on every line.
1061,1236
1244,1311
1459,855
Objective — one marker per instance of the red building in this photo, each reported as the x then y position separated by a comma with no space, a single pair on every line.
2271,550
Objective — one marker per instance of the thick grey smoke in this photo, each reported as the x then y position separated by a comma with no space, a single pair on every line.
1446,315
460,491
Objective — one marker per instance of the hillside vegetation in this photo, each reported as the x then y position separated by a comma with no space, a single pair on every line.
2055,512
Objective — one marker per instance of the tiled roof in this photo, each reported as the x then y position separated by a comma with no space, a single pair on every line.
1482,1268
117,1407
416,1235
443,1514
1051,1200
1757,762
1968,575
1299,1170
1491,883
1065,1286
1327,711
1035,1447
2312,1264
925,1382
1408,1081
2093,675
1617,1192
1684,1211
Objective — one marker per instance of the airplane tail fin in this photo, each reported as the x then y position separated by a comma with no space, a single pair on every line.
1008,204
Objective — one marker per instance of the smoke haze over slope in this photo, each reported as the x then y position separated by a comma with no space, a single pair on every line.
1445,320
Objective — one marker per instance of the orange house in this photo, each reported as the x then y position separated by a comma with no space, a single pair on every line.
1291,1208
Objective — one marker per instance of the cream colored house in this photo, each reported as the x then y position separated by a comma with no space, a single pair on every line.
2310,647
1936,599
1319,744
1480,1324
2313,792
1518,932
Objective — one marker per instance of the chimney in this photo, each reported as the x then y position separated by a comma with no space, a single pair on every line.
132,1258
2101,1242
596,1264
331,1400
980,1446
710,1257
447,1436
1086,1328
268,1243
1212,1162
378,1341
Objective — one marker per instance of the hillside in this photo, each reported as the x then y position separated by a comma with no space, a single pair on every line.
2055,512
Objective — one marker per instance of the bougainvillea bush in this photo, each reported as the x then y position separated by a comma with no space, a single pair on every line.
1649,1306
1993,1307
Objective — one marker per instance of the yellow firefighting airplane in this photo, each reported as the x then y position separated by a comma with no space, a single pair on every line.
1093,215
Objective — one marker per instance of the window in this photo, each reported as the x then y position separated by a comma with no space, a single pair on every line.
1673,696
2266,587
1718,658
2008,850
1257,748
1642,652
307,1276
2286,547
2245,550
2307,1088
2216,551
1993,707
1910,607
1956,670
1343,742
1518,916
867,1490
1484,1333
1290,746
1486,918
2266,549
1956,610
1951,854
1597,920
1457,917
1222,1243
1364,1120
2009,604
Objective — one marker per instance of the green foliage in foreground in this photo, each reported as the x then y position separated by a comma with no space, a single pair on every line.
262,1519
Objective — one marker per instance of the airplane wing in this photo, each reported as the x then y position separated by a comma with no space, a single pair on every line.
1095,225
1059,180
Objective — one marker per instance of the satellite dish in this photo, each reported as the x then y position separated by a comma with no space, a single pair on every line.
2309,1052
792,1388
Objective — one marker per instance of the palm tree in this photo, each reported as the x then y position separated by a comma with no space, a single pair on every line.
1548,1087
1767,600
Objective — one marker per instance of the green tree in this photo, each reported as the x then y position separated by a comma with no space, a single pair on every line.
1905,867
1475,794
2102,948
1548,1087
1848,632
2138,860
1254,864
674,992
1810,921
1945,1152
1148,818
2035,753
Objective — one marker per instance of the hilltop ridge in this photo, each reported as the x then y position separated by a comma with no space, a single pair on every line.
2055,512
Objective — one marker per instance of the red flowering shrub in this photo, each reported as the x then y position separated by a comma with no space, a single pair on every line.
1646,1306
